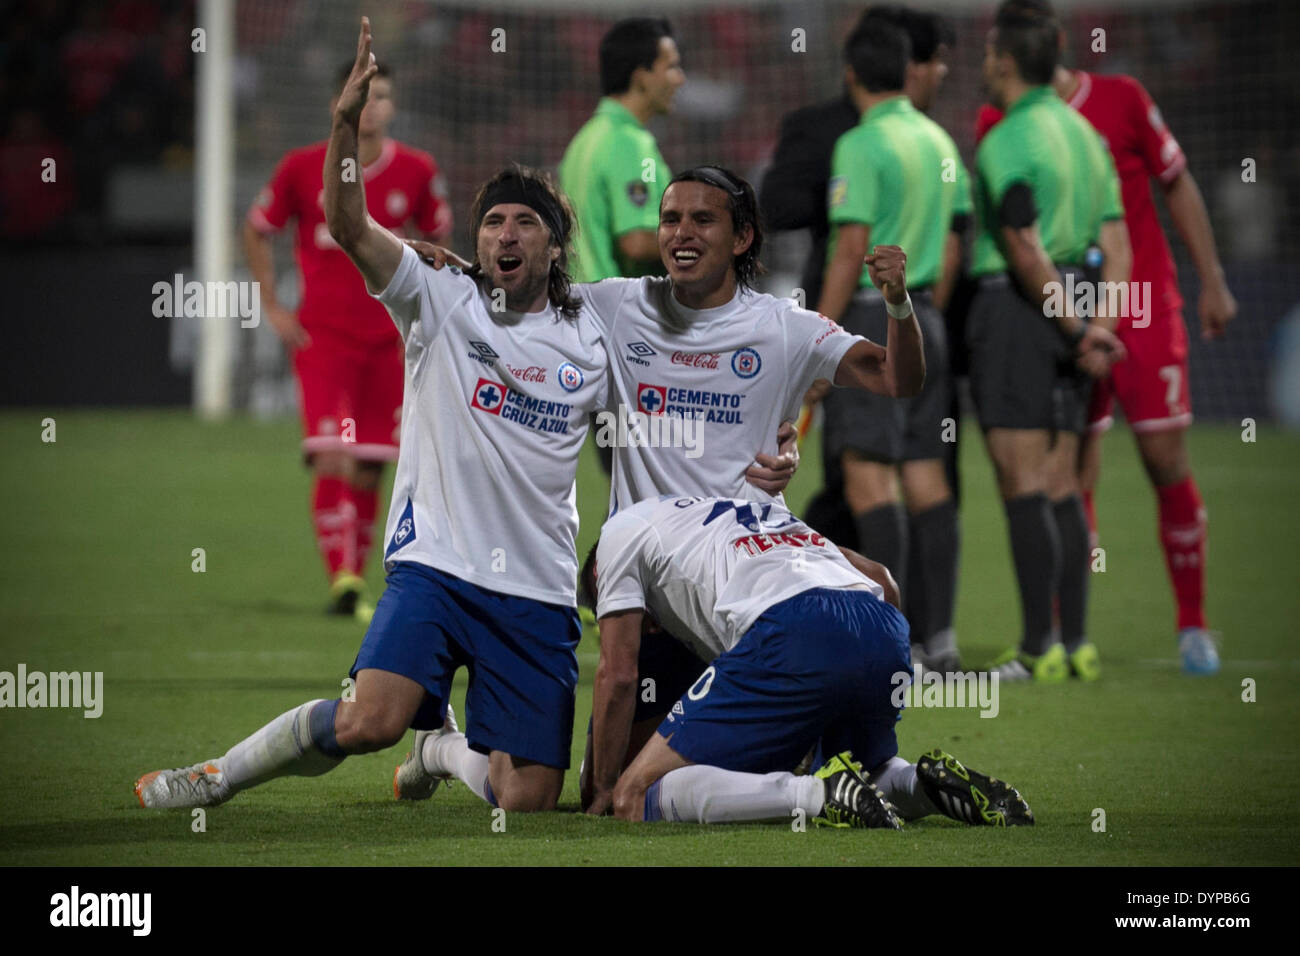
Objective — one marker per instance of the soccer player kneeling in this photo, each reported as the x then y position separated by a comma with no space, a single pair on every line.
805,652
503,369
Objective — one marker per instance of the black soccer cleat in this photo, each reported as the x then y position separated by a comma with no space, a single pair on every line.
852,802
969,796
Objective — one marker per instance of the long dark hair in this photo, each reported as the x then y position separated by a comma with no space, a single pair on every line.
743,204
553,207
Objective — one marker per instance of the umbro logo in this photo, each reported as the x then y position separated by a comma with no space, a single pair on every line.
483,354
640,352
679,709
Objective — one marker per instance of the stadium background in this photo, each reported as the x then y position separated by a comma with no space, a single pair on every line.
108,90
99,527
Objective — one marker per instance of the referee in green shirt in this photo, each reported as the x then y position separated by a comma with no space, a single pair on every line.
1046,191
612,170
897,179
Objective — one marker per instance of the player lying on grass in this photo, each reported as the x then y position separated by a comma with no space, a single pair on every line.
805,650
700,344
481,555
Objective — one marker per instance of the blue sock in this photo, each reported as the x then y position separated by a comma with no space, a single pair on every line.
321,726
488,795
652,811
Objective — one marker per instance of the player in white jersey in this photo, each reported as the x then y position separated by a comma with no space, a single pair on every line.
700,350
503,368
805,652
701,347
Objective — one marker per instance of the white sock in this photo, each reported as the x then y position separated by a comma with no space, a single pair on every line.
897,779
450,753
703,794
281,748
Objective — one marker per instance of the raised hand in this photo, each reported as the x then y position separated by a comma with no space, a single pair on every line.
352,100
887,266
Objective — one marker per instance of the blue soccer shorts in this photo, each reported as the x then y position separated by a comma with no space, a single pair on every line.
822,665
521,655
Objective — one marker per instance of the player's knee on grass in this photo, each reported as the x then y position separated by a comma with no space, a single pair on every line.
521,786
629,802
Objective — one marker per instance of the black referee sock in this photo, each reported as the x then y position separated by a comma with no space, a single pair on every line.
1036,551
935,536
882,536
1072,527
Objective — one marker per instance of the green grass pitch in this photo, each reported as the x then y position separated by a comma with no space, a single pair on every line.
99,530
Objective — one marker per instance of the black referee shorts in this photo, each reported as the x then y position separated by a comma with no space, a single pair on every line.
884,429
1022,372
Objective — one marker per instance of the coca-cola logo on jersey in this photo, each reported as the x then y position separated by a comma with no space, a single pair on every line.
534,373
696,359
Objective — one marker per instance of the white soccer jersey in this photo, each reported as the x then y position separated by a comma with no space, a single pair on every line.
707,568
494,412
710,387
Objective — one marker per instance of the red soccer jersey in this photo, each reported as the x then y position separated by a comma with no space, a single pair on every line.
1122,111
403,185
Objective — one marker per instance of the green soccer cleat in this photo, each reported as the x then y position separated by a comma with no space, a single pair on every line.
411,781
850,801
968,796
347,593
1051,667
364,612
1085,662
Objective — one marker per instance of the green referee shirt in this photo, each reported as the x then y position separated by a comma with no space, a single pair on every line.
898,172
615,176
1045,144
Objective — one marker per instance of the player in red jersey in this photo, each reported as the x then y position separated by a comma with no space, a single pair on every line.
1151,384
346,351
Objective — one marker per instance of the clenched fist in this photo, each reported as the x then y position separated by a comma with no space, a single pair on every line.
887,266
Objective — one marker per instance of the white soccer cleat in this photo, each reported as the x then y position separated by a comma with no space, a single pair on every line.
202,785
411,781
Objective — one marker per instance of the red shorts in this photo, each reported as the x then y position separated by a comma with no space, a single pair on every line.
350,394
1151,383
